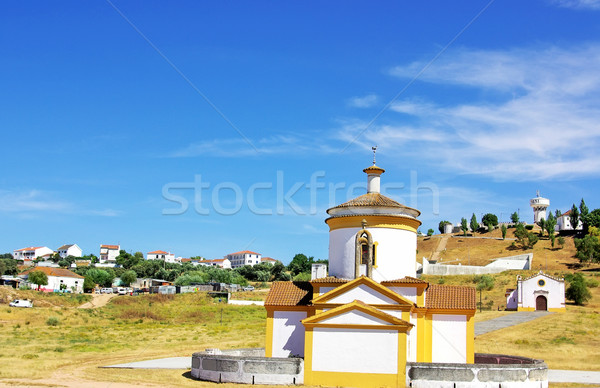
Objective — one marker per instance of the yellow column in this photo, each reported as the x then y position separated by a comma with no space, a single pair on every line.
428,338
269,336
308,350
420,337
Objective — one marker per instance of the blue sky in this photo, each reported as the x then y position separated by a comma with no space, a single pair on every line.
204,128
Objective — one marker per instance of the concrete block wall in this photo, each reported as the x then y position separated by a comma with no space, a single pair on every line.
246,366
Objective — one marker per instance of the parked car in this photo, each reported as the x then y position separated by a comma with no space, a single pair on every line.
122,291
249,288
21,303
106,290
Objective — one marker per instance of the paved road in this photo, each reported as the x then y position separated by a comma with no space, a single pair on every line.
573,376
507,320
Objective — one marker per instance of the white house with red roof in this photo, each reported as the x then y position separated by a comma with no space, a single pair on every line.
58,279
32,253
69,250
540,292
564,222
269,260
242,258
167,257
109,253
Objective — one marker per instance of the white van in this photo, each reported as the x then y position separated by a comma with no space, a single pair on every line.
21,303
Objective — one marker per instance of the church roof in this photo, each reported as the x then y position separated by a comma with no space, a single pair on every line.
369,199
404,280
451,297
330,279
289,294
543,274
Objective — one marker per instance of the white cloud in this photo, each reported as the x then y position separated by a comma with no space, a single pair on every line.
367,101
578,4
31,202
541,118
237,147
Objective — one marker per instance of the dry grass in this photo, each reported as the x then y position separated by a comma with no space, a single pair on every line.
479,251
129,328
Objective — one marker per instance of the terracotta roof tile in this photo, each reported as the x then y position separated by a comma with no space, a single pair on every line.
370,199
28,249
109,246
450,297
406,279
330,279
51,271
289,294
158,253
241,252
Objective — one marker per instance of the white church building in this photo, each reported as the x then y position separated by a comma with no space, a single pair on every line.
540,292
360,325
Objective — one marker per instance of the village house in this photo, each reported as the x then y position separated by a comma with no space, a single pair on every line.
563,223
242,258
167,257
109,253
59,279
33,253
268,260
69,250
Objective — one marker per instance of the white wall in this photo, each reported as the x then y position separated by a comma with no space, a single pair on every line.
449,338
409,293
54,283
355,350
530,289
396,253
288,333
363,293
512,300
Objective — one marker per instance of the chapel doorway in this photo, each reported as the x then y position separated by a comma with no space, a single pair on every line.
541,303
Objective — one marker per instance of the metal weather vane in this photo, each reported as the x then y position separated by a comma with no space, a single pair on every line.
374,151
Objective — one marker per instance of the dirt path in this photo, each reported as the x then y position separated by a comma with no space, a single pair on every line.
440,248
98,300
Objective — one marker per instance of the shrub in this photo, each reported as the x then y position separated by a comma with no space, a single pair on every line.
52,321
529,227
577,290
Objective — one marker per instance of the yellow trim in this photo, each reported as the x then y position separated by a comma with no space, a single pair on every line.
288,308
363,280
269,336
525,309
401,328
420,337
557,309
374,221
375,244
402,351
470,340
308,352
348,379
428,338
406,315
321,306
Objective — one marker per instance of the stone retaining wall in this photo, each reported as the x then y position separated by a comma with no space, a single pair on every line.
489,370
246,366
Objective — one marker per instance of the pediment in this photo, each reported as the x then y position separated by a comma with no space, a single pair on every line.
355,314
365,290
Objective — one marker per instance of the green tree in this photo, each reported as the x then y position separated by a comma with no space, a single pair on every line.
578,291
557,214
552,239
430,232
524,237
128,277
442,225
574,217
100,276
484,283
490,218
593,218
474,224
561,241
463,226
542,225
300,263
38,277
550,224
514,218
583,215
503,229
588,249
88,284
10,266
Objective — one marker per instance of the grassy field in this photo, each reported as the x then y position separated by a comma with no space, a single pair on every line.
73,342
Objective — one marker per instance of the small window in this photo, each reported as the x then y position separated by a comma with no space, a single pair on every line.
541,283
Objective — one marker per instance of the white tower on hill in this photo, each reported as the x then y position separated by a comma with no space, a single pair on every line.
539,205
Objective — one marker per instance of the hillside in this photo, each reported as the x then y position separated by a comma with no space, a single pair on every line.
481,250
